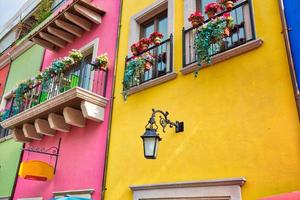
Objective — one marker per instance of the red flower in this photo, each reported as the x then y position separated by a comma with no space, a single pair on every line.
213,7
146,41
196,16
226,15
155,35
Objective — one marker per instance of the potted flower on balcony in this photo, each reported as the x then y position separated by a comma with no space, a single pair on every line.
144,43
68,61
148,60
135,49
228,4
30,83
101,62
76,55
212,8
196,18
156,37
57,66
38,78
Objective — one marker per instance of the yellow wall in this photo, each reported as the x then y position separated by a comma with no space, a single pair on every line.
240,118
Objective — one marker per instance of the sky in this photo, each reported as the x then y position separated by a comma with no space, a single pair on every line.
8,8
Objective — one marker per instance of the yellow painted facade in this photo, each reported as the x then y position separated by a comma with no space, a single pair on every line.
240,117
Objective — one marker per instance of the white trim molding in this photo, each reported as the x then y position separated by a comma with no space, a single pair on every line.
147,13
221,189
85,193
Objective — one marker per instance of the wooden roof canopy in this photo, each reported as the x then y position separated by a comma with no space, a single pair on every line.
71,22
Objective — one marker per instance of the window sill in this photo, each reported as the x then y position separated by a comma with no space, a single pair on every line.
152,83
4,139
225,55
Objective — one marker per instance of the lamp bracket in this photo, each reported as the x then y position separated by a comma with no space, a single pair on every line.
164,121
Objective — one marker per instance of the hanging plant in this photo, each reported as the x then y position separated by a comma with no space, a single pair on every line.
196,18
148,60
211,33
134,69
156,37
22,88
228,4
57,67
76,55
101,62
212,8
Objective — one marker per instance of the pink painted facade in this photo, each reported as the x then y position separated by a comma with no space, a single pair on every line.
82,153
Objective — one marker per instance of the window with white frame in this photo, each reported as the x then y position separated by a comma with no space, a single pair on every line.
242,32
223,189
157,17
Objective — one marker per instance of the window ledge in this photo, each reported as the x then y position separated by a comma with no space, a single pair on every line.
4,139
249,46
79,193
152,83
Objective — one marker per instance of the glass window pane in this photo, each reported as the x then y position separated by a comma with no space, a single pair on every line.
148,29
163,27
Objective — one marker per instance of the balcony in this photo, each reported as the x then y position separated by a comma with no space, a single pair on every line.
65,100
161,69
66,25
241,39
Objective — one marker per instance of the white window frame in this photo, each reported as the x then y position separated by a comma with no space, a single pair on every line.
31,198
149,12
84,193
224,189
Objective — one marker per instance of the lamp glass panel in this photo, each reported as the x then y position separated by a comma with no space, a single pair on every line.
150,146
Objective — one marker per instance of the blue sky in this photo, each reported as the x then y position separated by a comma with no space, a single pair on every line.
8,8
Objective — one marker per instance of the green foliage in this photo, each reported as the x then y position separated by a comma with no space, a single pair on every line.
58,66
212,32
43,11
134,69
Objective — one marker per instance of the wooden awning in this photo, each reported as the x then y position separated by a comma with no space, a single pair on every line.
70,22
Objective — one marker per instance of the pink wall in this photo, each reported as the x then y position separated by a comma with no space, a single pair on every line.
82,154
3,77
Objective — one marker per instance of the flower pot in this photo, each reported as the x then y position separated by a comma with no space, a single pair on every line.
210,14
148,65
157,41
226,32
145,47
30,86
229,5
39,81
196,23
213,40
103,67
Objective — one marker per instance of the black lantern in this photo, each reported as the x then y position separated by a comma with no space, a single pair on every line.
151,137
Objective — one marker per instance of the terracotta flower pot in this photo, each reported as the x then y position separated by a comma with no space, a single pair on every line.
210,14
102,67
157,41
226,32
148,65
145,47
196,23
229,5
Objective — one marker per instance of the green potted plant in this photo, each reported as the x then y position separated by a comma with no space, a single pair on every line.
68,62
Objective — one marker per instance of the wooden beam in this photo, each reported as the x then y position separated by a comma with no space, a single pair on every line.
75,30
91,15
92,111
53,39
61,34
57,122
74,117
42,127
30,132
19,136
79,21
44,44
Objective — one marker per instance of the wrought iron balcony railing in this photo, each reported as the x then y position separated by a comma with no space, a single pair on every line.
242,33
81,75
163,62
